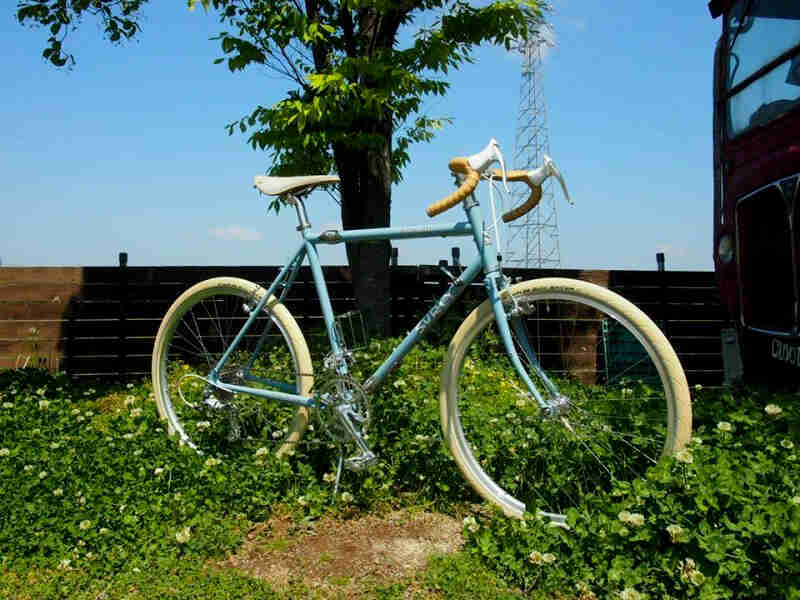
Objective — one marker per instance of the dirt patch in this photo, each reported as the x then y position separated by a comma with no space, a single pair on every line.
340,555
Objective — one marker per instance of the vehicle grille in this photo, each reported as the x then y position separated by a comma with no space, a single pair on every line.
766,265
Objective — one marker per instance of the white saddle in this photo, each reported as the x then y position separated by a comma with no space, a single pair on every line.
275,186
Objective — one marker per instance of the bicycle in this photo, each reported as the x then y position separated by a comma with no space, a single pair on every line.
230,362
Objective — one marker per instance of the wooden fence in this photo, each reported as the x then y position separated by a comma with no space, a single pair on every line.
103,320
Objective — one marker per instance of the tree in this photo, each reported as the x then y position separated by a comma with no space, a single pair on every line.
355,96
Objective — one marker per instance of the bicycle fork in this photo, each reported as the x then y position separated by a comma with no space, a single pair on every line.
511,326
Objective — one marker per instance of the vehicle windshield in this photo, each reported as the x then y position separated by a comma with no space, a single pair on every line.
758,32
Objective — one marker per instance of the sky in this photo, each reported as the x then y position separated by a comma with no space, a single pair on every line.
128,151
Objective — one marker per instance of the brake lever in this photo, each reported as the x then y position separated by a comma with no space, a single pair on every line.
554,171
499,158
548,168
491,153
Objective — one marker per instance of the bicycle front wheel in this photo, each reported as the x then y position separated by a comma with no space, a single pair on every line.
197,330
621,397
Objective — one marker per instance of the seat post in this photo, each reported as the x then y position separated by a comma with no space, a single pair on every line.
300,207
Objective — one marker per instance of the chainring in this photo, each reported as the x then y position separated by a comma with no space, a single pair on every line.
335,391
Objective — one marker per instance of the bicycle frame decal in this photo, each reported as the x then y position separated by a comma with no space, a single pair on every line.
438,309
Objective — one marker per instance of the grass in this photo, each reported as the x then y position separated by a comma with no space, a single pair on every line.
98,502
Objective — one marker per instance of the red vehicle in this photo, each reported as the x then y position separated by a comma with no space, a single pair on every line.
756,173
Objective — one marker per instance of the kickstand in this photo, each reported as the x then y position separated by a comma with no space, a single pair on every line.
338,472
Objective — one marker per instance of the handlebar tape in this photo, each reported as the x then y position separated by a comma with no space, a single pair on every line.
530,203
457,165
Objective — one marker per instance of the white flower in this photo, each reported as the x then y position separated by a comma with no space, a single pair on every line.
104,531
698,387
689,572
54,446
203,425
470,523
346,497
212,462
277,434
795,500
676,533
64,564
58,492
158,470
43,474
629,594
130,400
75,411
4,451
636,519
262,451
329,477
788,444
136,412
27,468
44,404
536,557
302,501
129,386
684,456
8,405
183,535
128,436
724,426
85,524
773,410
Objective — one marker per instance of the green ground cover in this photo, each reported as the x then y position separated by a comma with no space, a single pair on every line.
98,502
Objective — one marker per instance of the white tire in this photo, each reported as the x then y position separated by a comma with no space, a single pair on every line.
505,446
197,329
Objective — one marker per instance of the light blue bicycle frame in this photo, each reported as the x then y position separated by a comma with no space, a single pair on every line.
487,262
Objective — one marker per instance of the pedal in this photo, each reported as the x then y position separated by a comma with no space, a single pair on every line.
361,461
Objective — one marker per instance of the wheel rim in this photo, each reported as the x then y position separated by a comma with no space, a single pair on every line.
619,420
204,416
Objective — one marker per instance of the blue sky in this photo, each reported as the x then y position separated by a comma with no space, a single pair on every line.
128,151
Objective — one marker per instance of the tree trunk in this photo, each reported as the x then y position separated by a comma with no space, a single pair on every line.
366,186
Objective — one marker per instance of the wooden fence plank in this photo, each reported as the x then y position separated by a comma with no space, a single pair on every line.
104,319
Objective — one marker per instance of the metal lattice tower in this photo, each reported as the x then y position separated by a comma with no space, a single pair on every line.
532,241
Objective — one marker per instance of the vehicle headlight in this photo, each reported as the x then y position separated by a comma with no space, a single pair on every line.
725,249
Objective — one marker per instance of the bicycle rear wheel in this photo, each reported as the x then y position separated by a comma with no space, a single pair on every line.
625,397
196,331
